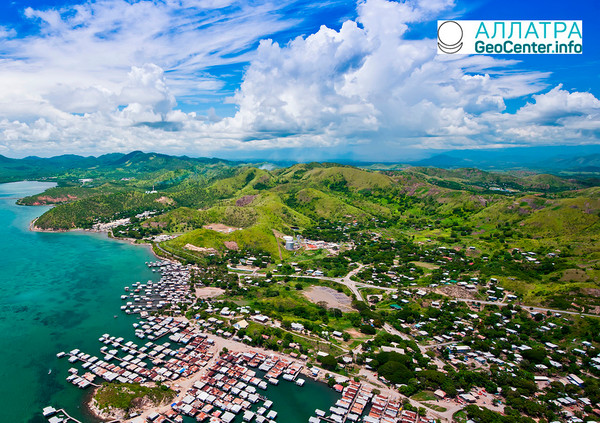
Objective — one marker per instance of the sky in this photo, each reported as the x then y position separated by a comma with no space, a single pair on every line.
284,79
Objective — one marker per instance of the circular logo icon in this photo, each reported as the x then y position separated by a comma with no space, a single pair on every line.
450,36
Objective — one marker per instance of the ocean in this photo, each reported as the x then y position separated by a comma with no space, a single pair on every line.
61,291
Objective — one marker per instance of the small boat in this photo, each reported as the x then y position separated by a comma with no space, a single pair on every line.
49,371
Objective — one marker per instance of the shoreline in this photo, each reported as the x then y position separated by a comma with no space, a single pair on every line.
89,404
131,241
34,228
93,411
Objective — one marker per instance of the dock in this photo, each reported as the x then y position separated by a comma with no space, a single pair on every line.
58,416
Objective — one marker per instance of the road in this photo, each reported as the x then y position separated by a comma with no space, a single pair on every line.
354,287
530,308
347,280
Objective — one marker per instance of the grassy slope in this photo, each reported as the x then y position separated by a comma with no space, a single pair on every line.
545,213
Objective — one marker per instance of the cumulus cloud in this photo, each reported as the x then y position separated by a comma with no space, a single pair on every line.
107,76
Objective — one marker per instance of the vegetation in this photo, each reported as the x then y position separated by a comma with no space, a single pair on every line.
494,213
127,396
436,259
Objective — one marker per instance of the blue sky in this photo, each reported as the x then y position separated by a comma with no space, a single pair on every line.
296,80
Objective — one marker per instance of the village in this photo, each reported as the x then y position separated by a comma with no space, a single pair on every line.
452,344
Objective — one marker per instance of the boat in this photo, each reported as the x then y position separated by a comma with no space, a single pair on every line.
300,382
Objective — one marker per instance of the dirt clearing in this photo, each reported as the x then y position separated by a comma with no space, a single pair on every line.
208,292
331,297
219,227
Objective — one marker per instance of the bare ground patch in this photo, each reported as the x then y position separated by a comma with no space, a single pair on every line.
594,292
165,200
231,245
245,200
455,291
574,275
202,250
354,333
331,297
209,292
44,199
219,227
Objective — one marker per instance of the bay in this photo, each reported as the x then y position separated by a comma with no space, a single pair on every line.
61,291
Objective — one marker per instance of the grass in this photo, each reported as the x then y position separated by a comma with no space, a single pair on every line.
423,396
283,304
123,396
429,266
460,416
543,215
435,407
307,341
256,237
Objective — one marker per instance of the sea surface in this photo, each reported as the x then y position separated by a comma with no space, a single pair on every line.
60,291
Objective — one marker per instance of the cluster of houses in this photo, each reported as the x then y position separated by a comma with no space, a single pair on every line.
456,347
167,294
126,362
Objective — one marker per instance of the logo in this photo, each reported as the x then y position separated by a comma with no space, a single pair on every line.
460,37
450,36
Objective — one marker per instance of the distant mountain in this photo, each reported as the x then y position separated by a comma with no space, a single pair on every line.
548,159
115,165
589,163
444,161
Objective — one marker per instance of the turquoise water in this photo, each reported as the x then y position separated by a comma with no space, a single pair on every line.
61,291
296,404
293,404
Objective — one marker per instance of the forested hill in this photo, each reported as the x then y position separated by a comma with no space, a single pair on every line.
112,166
492,212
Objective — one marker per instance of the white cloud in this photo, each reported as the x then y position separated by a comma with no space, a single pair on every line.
106,76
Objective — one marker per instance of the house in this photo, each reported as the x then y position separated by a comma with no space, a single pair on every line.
575,380
242,324
440,394
468,398
261,319
460,349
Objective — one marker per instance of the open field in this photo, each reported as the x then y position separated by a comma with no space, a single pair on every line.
331,297
209,292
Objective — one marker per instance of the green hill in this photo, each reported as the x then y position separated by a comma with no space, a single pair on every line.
495,213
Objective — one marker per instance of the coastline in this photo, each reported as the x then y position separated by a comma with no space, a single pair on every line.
89,404
131,241
34,228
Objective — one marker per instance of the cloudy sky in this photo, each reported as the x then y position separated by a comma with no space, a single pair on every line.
284,79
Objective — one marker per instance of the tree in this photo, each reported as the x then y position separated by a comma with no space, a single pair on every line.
328,362
536,355
367,329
